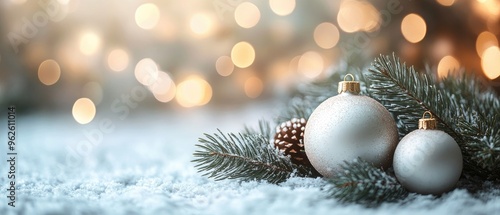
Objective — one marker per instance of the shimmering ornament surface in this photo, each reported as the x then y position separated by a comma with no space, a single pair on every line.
428,162
348,126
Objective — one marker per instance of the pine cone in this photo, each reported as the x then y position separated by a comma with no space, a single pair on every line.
289,139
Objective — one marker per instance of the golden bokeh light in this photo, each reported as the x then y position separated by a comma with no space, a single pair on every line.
147,16
358,16
224,66
194,91
484,41
243,54
490,62
49,72
83,110
446,2
487,9
247,15
118,60
90,43
326,35
253,87
146,71
163,88
202,24
310,64
413,28
282,7
93,91
447,65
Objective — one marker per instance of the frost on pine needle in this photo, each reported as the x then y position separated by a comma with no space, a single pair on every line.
246,156
362,183
464,106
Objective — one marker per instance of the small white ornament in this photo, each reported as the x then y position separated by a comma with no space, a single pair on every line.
349,126
428,161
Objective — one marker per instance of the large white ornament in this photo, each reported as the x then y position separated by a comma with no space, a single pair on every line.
428,161
349,126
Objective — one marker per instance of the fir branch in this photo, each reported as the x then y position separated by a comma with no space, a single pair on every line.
362,183
243,156
264,129
465,108
296,108
407,94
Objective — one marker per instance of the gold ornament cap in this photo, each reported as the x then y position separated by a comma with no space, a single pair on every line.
427,123
349,86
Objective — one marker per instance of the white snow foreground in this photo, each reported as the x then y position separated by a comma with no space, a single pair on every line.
143,167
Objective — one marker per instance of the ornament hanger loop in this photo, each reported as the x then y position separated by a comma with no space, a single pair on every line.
352,77
349,86
430,115
427,123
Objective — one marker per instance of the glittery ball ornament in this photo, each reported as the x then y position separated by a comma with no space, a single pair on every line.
349,126
289,139
428,161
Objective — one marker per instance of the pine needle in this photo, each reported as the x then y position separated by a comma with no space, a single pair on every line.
362,183
242,156
465,108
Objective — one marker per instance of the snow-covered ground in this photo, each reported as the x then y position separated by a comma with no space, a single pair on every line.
141,165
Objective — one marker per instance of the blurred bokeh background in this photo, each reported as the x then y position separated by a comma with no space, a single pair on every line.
79,57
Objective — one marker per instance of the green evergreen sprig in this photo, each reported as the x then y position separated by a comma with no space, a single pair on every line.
465,108
360,182
246,156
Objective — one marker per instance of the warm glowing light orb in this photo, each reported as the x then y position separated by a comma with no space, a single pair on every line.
413,28
247,15
447,65
490,61
326,35
83,110
243,54
90,43
224,66
446,2
49,72
282,7
118,60
310,64
485,40
163,88
202,24
358,16
147,16
146,71
194,91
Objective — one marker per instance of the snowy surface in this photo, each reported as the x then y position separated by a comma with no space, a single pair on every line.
143,167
